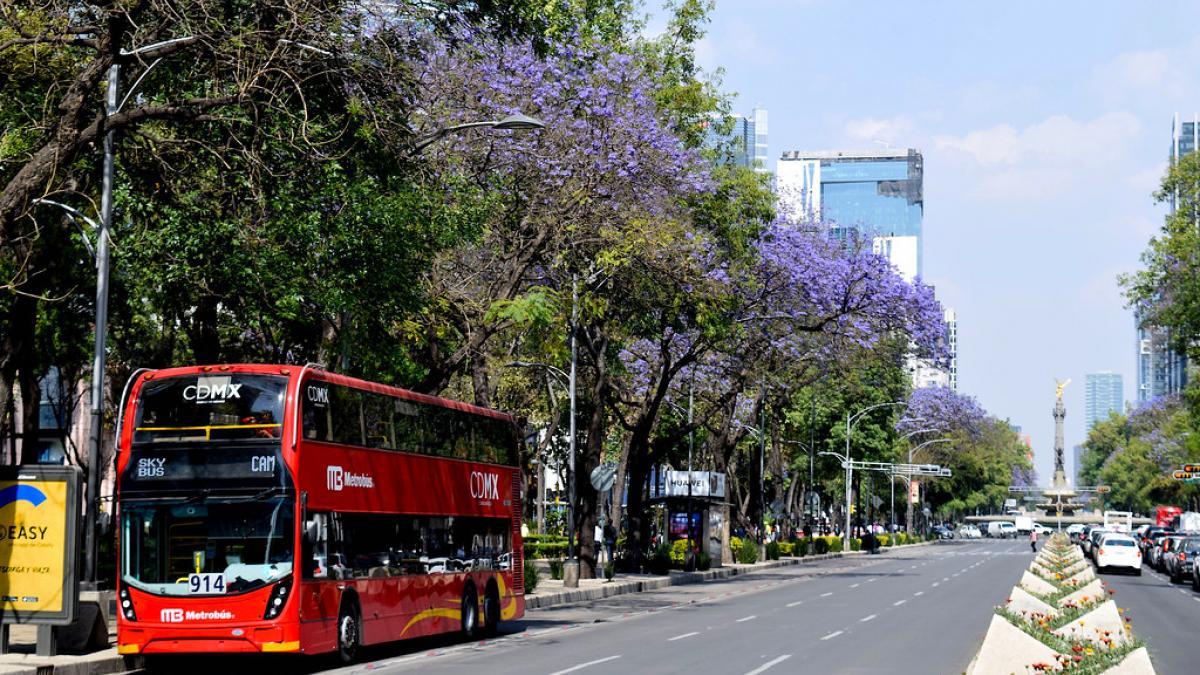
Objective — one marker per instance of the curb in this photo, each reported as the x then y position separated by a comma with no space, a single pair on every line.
608,590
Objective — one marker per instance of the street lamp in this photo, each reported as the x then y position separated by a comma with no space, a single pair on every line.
893,480
911,451
514,122
850,421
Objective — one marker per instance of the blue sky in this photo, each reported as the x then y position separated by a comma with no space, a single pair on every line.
1045,128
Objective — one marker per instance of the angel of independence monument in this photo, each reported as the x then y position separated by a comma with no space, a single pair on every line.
1059,499
1057,503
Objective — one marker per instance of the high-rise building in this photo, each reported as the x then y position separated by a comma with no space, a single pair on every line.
876,192
929,374
745,144
1162,370
1105,394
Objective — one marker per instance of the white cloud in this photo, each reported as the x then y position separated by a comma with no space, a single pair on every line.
1056,140
893,130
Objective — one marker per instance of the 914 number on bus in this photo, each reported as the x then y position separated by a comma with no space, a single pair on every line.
206,583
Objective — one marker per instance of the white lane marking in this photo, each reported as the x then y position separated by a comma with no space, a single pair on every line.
919,593
826,595
935,584
768,664
945,579
855,585
685,635
827,637
870,580
799,602
586,665
867,618
898,603
746,618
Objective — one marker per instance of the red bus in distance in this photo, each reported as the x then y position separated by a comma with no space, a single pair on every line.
268,508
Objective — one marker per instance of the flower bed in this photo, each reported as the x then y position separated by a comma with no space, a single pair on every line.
1082,627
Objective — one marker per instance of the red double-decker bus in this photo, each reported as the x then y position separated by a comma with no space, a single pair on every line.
289,509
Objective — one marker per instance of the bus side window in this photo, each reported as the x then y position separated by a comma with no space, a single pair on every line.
315,551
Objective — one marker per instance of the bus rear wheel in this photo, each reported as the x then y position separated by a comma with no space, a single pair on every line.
470,613
491,611
348,632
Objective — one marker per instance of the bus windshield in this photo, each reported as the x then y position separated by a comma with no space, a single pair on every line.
198,408
247,541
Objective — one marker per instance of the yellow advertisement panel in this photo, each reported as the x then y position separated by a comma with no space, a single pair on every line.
36,545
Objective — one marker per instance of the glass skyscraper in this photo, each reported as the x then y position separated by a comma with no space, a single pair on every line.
1162,370
1105,393
877,192
746,143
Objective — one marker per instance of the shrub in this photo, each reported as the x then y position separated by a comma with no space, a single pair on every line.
835,544
610,571
703,562
660,559
901,538
788,548
748,553
855,544
821,545
883,540
556,569
532,577
772,550
679,552
735,545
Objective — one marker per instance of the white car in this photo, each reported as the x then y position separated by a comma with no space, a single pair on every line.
1118,551
1041,529
969,532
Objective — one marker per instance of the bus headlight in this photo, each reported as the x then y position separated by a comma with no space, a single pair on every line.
127,605
278,599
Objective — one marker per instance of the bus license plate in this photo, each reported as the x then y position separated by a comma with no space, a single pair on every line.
206,583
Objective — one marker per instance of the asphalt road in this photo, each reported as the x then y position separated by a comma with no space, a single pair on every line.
1165,615
921,610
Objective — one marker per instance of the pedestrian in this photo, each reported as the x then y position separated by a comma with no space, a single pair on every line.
598,537
610,539
1033,540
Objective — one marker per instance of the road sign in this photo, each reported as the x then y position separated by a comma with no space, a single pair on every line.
604,476
1103,489
876,501
1191,468
1184,475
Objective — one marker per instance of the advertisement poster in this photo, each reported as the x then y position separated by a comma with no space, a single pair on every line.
37,551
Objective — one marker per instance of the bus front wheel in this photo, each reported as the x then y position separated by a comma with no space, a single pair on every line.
348,632
470,613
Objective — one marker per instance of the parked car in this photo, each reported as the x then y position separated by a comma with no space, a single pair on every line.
1179,559
943,532
1118,551
969,532
999,529
1041,529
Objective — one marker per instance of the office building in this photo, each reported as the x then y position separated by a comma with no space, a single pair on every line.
879,193
746,142
929,374
1105,394
1161,369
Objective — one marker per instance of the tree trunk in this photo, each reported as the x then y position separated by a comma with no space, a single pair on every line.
31,399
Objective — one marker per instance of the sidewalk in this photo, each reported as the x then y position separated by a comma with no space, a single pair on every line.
22,660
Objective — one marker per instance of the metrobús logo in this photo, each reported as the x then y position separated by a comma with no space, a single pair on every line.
177,615
485,485
336,479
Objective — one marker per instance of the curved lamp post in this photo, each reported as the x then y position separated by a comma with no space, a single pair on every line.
850,421
909,515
